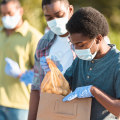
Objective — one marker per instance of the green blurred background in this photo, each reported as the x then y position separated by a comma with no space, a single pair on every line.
110,8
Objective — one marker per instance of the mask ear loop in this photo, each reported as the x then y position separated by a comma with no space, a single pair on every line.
96,49
92,44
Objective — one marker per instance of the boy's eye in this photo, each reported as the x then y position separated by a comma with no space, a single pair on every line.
78,46
81,46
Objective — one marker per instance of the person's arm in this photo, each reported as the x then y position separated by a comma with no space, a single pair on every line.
12,68
111,104
34,103
27,77
35,96
35,90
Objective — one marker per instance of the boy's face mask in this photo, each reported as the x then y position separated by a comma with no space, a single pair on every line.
58,25
85,54
10,22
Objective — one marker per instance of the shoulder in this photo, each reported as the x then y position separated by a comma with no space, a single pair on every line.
49,35
45,40
116,58
116,54
45,43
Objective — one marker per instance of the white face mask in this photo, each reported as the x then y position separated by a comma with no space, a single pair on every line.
10,22
58,26
85,54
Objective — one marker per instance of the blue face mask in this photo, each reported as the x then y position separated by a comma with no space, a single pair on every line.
58,26
10,22
85,54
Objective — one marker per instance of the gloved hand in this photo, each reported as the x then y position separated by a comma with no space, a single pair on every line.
27,77
45,66
12,68
80,92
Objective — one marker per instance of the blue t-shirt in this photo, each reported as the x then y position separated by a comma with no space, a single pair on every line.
103,73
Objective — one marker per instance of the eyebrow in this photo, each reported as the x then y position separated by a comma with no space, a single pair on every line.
54,13
58,12
80,42
77,42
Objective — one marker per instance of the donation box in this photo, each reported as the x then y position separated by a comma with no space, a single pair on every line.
51,107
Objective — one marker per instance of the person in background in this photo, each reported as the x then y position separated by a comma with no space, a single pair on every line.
55,44
18,41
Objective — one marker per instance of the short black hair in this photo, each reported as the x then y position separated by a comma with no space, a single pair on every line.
89,22
3,2
47,2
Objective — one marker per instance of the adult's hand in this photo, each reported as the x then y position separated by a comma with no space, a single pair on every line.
44,64
12,68
27,77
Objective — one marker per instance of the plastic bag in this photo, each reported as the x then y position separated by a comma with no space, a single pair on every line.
54,81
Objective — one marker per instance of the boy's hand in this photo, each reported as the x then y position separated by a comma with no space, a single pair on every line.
80,92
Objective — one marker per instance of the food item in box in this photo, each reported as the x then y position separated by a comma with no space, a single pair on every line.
54,81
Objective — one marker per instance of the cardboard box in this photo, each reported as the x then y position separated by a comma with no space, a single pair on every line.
51,107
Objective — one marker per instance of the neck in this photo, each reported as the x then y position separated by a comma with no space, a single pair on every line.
65,35
103,50
10,31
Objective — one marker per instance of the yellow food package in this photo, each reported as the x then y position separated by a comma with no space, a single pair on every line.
54,81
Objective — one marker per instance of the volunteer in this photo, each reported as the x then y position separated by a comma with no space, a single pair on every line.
96,70
18,41
55,44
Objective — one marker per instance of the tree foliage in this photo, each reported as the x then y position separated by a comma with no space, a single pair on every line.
33,13
110,8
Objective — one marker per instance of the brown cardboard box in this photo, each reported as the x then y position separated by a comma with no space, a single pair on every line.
51,107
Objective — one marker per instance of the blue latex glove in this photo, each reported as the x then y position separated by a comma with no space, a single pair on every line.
12,68
27,77
45,66
80,92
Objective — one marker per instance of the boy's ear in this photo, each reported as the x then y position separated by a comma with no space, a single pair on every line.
99,38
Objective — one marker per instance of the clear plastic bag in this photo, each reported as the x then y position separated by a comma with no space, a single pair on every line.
54,81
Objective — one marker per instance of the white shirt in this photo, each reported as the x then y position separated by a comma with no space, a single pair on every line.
62,50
